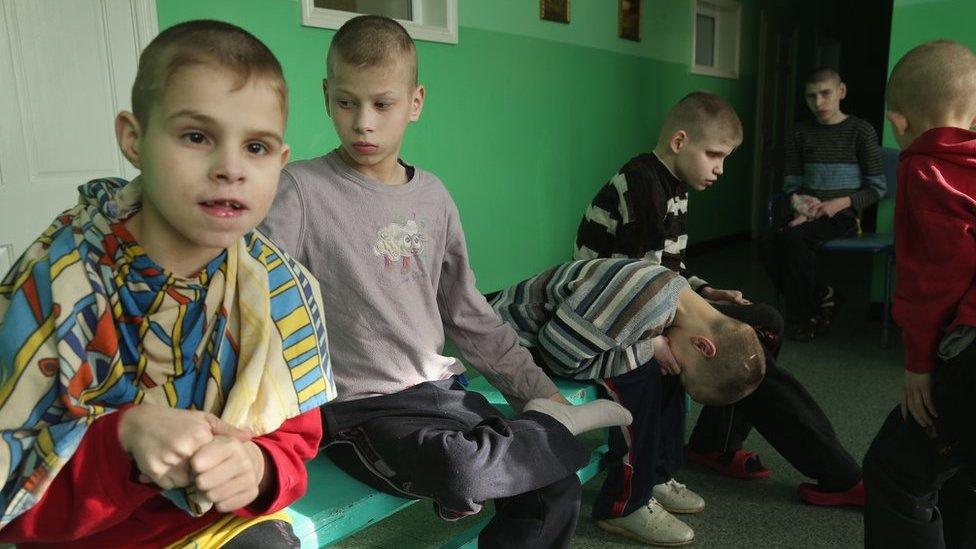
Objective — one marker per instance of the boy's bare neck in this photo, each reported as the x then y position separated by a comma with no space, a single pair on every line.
694,312
664,154
169,255
388,172
837,118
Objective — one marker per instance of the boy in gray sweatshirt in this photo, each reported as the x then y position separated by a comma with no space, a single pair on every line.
385,241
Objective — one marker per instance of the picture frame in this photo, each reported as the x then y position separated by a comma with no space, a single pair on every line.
554,10
629,20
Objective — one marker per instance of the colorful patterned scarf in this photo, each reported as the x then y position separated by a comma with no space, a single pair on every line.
88,323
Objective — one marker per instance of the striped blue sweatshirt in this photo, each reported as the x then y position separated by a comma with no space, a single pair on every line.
836,160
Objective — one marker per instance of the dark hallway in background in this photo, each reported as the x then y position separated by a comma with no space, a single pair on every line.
797,37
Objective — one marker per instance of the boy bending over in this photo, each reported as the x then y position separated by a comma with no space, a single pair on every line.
384,238
931,98
630,325
161,362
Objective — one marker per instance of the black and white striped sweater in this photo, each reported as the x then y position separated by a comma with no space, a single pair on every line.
640,213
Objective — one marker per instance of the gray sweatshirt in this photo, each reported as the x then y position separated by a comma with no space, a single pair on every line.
393,266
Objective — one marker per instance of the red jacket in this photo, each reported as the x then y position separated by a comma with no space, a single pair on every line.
935,241
94,501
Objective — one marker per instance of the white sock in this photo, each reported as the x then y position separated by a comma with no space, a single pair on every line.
585,417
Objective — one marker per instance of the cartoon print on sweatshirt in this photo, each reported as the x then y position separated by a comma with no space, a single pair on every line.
400,241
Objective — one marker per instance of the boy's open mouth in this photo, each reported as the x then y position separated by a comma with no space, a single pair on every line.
223,208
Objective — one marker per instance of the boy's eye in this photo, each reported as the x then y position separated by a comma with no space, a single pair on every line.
197,138
257,148
344,103
382,106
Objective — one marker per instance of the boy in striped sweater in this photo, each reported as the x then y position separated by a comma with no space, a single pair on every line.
640,331
836,160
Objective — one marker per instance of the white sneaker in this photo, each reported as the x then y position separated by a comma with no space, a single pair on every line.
677,498
652,525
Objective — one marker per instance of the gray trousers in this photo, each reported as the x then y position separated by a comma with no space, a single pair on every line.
440,442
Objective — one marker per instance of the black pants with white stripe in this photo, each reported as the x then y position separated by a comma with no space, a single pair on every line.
649,450
782,410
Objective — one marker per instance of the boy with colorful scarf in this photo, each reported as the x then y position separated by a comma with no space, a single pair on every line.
161,362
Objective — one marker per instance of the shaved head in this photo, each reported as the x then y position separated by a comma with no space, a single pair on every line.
702,115
934,80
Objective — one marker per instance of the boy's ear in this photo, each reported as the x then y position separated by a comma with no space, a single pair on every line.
285,154
842,90
705,346
128,134
417,103
325,94
899,123
678,139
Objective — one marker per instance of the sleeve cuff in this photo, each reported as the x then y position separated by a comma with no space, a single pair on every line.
697,284
114,459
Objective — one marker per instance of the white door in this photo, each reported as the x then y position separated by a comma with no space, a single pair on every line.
66,69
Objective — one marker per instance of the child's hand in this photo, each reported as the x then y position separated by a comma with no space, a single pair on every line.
665,359
162,440
732,296
799,219
229,472
916,398
831,207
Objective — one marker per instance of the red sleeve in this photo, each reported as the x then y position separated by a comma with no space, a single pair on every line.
92,492
935,258
287,448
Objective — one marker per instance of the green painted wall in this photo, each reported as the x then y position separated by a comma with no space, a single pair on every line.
914,22
525,118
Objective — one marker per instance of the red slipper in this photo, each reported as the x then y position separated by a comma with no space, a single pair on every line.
811,493
735,469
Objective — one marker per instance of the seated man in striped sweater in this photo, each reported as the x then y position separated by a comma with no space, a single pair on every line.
641,332
836,160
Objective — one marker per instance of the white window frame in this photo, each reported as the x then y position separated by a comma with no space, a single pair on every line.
333,19
728,16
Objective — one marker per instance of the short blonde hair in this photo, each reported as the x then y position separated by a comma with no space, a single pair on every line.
932,80
203,42
372,41
702,114
737,367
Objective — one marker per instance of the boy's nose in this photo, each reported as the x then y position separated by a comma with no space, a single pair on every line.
364,122
228,167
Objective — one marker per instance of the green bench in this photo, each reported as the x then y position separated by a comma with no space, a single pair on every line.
337,505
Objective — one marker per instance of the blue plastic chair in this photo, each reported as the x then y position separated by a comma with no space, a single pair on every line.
871,243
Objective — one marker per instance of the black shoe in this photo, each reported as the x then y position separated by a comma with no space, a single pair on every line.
804,332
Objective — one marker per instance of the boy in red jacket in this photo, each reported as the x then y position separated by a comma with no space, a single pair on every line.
931,99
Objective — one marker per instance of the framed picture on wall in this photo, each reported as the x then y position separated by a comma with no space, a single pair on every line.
554,10
629,19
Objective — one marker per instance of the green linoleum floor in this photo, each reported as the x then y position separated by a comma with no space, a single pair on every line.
856,382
